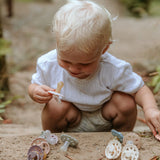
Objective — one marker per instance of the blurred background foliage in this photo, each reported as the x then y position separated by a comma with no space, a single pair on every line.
34,0
155,81
140,8
4,47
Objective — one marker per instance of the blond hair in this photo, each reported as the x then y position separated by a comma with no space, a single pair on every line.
82,26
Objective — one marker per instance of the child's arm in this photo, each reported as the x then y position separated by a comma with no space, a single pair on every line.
146,100
39,93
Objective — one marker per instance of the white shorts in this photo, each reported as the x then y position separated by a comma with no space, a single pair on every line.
92,122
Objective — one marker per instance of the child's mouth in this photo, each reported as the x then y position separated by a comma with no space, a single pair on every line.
78,75
74,74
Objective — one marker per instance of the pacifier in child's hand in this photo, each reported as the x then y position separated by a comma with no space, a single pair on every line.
56,94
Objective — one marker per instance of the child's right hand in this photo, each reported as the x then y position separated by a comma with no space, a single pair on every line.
39,93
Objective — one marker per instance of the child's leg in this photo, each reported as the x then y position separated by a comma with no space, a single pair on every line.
121,110
56,117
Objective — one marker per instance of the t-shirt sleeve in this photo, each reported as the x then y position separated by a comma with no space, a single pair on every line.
39,77
125,80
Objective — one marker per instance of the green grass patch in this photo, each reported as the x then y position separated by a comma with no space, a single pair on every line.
4,47
155,82
25,0
155,8
140,8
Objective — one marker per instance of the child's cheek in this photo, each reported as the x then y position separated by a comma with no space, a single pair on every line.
63,65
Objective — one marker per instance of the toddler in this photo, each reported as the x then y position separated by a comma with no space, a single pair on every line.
100,91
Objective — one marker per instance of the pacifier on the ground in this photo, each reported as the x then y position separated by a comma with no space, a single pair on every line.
114,147
36,153
130,151
50,137
123,147
132,143
40,146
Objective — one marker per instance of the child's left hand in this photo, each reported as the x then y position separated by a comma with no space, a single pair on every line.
145,98
152,116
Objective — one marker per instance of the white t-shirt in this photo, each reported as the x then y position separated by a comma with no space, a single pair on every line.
91,93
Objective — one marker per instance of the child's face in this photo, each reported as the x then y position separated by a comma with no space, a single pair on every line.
79,65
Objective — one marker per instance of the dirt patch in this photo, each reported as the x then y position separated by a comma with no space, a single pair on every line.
91,146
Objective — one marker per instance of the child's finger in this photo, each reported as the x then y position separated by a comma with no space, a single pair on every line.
152,128
157,126
44,98
46,88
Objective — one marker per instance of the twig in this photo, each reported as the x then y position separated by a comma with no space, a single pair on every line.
101,158
153,74
142,120
155,158
68,157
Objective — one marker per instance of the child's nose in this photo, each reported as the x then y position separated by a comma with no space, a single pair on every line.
74,68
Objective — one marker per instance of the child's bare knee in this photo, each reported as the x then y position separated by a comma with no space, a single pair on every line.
54,108
73,117
60,116
125,103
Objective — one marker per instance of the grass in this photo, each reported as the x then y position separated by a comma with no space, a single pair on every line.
25,0
155,8
140,8
155,82
33,1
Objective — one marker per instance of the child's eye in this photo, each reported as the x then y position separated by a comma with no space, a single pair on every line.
65,61
86,64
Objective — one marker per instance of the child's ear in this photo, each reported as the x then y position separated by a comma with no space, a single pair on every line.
106,48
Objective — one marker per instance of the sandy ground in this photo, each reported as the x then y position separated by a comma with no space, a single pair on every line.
136,41
91,146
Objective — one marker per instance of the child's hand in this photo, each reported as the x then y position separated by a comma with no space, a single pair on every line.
39,93
145,98
152,116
